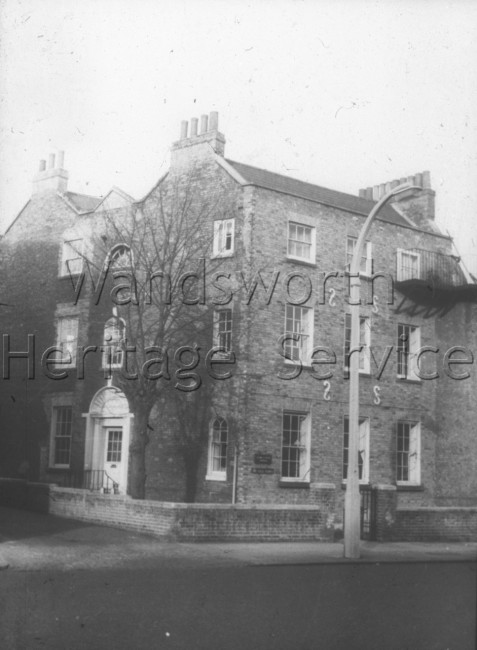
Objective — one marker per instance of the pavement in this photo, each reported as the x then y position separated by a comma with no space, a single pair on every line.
32,541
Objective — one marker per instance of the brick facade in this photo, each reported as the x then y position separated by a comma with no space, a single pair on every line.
257,395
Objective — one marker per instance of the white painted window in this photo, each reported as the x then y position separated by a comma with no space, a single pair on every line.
217,456
60,435
223,329
72,257
364,342
224,237
409,342
363,450
301,242
67,341
296,446
366,264
113,341
408,265
408,453
299,332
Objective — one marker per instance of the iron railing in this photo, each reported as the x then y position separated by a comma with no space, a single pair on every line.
438,270
95,480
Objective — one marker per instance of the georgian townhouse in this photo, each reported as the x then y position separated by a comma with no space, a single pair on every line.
276,295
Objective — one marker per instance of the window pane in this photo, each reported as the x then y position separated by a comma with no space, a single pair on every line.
294,445
218,449
300,240
62,441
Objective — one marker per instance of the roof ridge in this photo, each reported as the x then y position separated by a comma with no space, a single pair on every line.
298,180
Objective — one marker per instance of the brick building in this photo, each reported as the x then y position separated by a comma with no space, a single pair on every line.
277,427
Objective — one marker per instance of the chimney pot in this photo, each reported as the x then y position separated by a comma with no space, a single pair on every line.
204,119
369,193
213,121
184,127
362,194
42,166
51,161
60,161
426,180
193,126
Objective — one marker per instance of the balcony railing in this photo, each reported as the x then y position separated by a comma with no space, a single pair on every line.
95,480
438,270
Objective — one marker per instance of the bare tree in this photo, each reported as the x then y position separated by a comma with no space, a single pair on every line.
155,259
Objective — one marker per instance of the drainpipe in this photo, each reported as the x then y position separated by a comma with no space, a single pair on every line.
234,479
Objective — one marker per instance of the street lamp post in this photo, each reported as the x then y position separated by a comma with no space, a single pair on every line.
352,497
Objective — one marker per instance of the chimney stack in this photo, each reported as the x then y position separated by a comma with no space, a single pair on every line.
418,205
198,147
53,179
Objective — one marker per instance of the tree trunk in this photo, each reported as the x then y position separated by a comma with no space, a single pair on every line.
137,455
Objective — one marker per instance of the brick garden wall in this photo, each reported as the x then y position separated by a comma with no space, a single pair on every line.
220,522
174,521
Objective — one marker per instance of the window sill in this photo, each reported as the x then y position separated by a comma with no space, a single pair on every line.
298,260
211,477
59,468
344,483
403,487
218,256
294,484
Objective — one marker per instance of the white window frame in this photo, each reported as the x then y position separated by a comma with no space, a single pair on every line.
72,252
408,455
224,238
113,347
117,253
294,242
364,341
55,412
302,348
66,341
363,450
366,264
302,422
407,350
221,334
217,450
406,272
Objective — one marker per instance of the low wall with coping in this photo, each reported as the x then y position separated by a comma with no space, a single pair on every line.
241,522
175,521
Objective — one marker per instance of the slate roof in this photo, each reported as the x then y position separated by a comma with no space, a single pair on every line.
288,185
83,202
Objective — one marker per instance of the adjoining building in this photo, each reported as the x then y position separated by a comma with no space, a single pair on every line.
277,427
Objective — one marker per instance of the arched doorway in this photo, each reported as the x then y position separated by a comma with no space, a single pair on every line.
107,439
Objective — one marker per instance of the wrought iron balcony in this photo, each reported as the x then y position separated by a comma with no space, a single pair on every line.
429,277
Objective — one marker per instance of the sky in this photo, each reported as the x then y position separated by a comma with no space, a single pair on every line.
342,93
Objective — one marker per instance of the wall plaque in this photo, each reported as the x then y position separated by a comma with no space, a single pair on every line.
261,458
262,470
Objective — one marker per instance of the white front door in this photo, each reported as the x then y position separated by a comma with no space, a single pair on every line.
114,454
